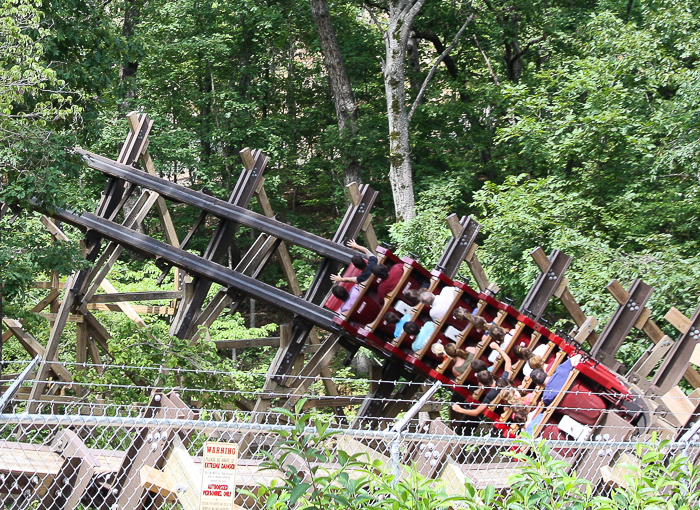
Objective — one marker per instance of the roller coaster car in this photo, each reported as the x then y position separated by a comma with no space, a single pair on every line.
589,390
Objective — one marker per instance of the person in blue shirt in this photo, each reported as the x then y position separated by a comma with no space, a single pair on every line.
555,383
423,336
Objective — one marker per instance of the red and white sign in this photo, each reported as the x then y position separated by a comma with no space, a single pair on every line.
218,476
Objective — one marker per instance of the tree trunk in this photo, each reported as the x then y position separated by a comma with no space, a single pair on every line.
402,13
513,54
345,106
127,70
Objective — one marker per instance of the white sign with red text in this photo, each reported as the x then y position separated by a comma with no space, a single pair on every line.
218,476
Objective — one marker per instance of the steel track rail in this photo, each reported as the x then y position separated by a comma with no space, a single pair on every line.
219,208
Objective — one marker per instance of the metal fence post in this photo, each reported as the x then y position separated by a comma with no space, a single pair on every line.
399,426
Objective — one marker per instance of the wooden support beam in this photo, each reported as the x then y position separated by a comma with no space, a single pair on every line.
370,236
273,341
48,285
100,335
290,273
111,253
564,295
674,316
133,310
646,363
477,271
586,330
81,348
51,348
136,296
677,319
262,403
33,347
316,365
163,213
46,301
51,317
282,251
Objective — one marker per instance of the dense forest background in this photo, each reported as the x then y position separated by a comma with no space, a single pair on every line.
565,124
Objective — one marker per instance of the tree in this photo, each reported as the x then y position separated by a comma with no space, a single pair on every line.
396,34
345,107
402,13
36,111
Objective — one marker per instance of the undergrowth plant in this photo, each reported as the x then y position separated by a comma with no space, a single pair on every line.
316,474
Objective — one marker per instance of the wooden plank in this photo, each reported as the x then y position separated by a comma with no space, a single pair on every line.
478,272
136,296
22,458
46,301
48,285
695,357
653,331
586,329
162,207
181,470
30,344
282,252
618,291
679,404
561,287
575,311
454,224
133,310
540,258
291,277
33,347
644,368
51,348
642,319
98,331
156,481
271,341
677,320
94,352
111,253
81,347
51,317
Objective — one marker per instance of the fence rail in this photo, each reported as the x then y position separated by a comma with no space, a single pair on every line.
86,452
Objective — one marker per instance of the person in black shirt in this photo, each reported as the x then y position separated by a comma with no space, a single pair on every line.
486,379
364,264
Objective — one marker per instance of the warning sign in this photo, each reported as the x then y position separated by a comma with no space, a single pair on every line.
218,476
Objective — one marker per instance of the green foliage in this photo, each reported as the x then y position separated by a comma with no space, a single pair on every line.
319,476
427,233
543,482
656,482
27,252
554,213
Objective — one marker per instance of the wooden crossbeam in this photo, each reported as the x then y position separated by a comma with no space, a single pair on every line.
471,259
136,296
33,347
50,354
46,301
132,309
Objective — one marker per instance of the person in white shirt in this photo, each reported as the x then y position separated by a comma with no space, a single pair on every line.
440,304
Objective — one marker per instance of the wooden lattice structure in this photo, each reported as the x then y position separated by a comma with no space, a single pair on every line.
295,367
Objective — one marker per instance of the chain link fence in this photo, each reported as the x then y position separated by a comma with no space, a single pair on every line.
81,451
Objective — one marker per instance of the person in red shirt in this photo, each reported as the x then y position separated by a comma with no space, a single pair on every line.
390,282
